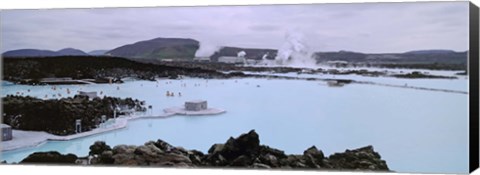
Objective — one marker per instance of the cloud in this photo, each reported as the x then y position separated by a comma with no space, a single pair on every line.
264,28
365,27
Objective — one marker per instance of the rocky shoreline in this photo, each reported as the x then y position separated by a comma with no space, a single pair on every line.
33,71
235,70
244,151
57,116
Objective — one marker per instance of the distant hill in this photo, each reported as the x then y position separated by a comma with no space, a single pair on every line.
438,51
251,53
98,52
43,53
71,52
158,48
29,53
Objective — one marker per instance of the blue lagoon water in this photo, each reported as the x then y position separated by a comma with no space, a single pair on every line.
413,130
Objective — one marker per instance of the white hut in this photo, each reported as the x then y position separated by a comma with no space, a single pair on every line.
196,105
6,132
90,95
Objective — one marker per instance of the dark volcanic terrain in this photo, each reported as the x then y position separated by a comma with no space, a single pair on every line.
32,70
244,151
57,116
104,69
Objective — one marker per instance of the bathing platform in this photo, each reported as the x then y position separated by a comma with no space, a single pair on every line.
24,139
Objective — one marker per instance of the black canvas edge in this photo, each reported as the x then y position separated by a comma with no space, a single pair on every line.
473,71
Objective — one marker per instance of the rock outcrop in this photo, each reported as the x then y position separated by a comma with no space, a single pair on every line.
50,157
57,116
243,151
362,158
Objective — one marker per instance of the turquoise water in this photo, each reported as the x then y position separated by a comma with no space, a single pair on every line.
413,130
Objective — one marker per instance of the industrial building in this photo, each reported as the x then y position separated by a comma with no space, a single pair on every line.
202,59
231,60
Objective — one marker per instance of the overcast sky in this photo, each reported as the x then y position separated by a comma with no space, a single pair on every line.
367,27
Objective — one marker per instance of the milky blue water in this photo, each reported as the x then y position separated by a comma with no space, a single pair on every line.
413,130
460,83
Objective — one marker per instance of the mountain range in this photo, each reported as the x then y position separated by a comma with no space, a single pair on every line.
44,53
411,57
185,48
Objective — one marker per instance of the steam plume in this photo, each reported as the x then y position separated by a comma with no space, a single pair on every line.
206,49
241,54
295,51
